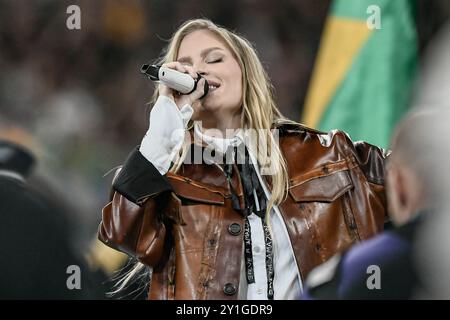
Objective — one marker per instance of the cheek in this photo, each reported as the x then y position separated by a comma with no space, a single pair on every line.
235,96
235,80
237,89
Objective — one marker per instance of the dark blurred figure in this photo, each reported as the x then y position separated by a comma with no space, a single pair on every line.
386,267
35,249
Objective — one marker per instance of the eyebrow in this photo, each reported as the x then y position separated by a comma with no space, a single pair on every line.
203,54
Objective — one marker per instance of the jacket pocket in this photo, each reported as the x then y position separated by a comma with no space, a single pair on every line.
324,188
190,190
199,207
323,197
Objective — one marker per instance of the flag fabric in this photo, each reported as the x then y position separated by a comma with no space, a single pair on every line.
365,69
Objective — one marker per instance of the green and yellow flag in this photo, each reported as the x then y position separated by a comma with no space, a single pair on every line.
364,70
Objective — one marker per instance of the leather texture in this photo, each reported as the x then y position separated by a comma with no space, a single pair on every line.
184,226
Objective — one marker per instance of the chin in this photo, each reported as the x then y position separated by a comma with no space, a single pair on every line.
208,106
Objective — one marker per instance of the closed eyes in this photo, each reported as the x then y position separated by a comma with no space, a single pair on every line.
215,61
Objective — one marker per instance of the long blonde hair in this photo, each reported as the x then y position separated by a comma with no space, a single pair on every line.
259,110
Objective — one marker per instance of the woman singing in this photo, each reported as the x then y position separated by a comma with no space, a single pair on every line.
227,199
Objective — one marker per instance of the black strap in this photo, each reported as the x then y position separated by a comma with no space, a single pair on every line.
251,184
248,253
269,260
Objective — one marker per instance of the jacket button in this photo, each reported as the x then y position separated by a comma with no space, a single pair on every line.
352,225
229,289
234,229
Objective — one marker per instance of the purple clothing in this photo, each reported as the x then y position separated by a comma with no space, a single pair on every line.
379,268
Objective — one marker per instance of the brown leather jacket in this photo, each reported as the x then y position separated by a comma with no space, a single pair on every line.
184,226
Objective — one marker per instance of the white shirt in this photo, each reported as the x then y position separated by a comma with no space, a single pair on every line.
160,145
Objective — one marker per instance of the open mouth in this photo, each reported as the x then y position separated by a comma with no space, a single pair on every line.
213,86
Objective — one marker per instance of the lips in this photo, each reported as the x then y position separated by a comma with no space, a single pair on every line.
213,85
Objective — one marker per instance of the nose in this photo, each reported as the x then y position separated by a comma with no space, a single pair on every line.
201,72
200,68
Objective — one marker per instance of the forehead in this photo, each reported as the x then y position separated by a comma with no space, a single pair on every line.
195,42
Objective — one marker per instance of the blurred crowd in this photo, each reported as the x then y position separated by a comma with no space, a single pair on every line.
76,97
80,95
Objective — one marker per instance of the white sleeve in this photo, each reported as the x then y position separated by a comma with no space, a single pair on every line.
165,135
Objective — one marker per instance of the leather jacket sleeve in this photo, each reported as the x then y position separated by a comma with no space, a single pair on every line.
136,205
371,161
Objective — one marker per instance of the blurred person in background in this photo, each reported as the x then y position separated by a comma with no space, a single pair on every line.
417,189
433,240
215,230
36,246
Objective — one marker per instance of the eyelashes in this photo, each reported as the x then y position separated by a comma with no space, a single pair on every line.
216,61
209,62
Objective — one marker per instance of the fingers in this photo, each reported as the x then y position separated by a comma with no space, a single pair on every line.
190,99
182,68
199,91
175,65
182,100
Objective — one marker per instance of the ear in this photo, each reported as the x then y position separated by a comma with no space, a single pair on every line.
396,194
402,189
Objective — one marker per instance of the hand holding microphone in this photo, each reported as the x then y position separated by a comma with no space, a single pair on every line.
175,77
172,111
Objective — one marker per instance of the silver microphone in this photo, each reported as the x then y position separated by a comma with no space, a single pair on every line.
178,81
